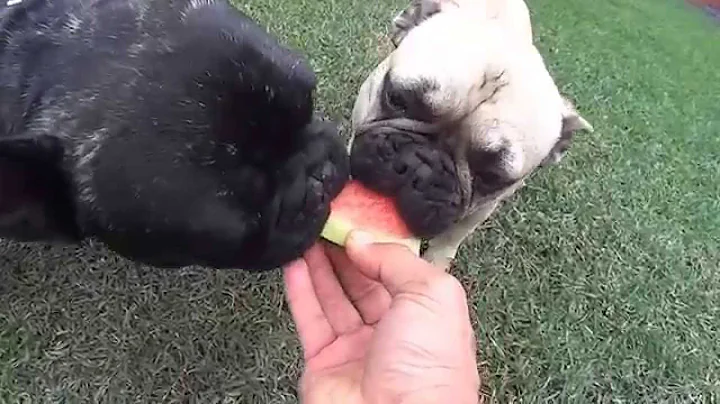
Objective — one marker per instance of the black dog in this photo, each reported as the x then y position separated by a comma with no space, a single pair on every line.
176,132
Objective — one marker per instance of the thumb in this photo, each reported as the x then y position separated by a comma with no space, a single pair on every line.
393,265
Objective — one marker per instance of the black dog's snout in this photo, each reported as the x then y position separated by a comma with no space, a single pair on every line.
307,183
416,172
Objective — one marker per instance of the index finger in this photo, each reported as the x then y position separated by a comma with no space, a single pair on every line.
313,327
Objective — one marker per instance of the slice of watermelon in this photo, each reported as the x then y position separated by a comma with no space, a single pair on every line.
359,208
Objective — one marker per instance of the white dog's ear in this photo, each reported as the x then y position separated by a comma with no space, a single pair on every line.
572,122
417,12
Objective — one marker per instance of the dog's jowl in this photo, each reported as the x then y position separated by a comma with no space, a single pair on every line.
177,132
458,116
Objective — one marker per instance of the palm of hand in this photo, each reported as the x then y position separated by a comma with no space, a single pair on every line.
338,369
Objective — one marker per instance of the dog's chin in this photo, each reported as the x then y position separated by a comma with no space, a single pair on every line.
398,158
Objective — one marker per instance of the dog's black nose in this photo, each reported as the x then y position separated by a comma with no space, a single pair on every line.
307,182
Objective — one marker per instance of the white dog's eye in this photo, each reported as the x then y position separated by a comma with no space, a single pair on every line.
489,178
393,96
407,99
488,170
395,100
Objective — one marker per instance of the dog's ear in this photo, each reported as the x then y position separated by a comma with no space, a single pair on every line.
572,122
417,12
35,202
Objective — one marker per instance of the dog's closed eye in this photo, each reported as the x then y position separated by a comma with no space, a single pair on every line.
395,99
488,170
407,99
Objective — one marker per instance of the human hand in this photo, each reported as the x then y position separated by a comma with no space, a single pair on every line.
379,325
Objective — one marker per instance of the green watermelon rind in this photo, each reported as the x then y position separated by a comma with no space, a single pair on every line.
337,229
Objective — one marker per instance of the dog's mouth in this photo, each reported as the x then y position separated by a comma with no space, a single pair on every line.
400,158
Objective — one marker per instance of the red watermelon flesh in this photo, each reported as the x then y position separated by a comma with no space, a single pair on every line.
360,208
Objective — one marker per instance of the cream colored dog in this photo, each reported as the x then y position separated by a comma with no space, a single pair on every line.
514,14
457,117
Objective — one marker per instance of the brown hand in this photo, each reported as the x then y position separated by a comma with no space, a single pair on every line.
380,325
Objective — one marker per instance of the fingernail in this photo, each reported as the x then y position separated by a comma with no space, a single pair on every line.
360,238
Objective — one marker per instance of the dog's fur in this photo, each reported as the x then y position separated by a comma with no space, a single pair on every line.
455,119
177,132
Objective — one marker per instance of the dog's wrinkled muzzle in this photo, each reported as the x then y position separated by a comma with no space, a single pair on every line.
398,158
294,218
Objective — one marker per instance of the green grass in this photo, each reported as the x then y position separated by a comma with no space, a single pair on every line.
598,283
